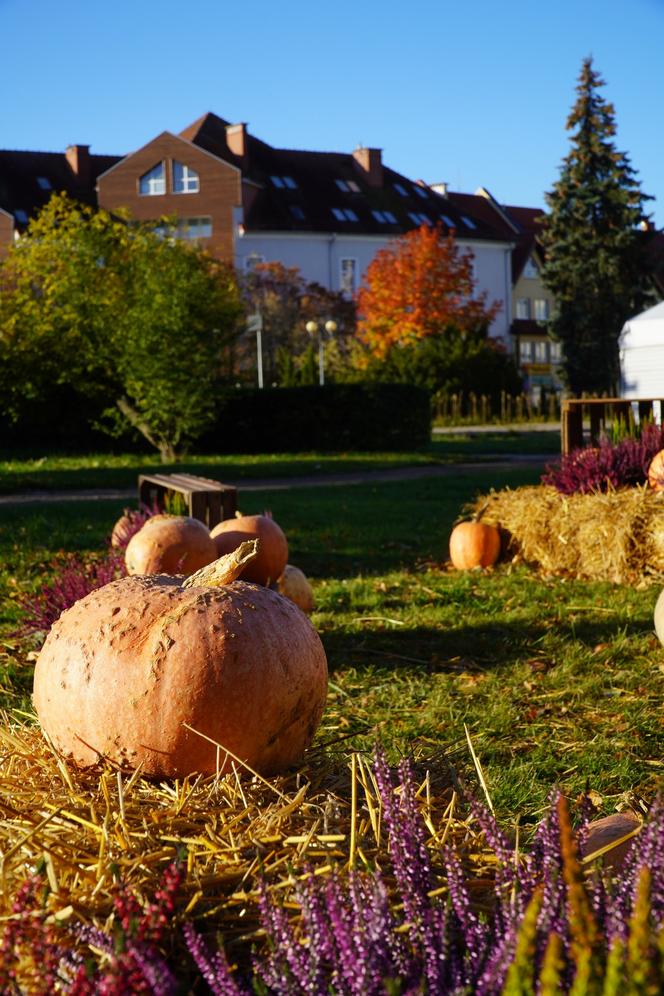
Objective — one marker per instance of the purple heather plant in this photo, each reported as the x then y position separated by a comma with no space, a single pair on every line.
555,927
608,465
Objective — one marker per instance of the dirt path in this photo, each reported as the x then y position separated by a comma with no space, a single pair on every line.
287,483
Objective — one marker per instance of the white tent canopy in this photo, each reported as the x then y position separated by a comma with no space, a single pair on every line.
642,355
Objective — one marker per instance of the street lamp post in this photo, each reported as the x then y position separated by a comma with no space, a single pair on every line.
312,328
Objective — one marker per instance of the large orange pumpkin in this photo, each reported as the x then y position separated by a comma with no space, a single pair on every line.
170,544
168,674
272,545
656,472
474,544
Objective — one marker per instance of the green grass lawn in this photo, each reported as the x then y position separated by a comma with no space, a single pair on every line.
29,471
559,682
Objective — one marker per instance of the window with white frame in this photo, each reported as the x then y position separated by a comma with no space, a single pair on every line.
348,276
194,228
555,352
525,350
540,352
523,307
530,270
185,179
541,309
252,261
153,182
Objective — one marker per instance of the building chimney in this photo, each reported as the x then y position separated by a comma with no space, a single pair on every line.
78,157
370,162
440,188
236,139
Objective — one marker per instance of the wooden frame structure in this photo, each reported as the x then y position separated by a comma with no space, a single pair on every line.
600,411
207,500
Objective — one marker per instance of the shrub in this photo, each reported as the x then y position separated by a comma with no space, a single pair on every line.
337,417
608,465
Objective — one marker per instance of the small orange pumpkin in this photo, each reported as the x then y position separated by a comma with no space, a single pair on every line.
656,472
170,544
474,544
611,831
272,545
293,584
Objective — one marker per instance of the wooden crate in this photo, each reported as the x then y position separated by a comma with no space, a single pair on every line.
207,500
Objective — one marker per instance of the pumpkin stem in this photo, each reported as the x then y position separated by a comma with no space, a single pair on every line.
226,569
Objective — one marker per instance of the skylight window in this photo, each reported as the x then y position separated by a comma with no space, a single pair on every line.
341,184
284,182
185,179
384,217
296,212
44,183
401,189
468,222
344,214
21,216
348,186
448,221
419,218
153,182
421,192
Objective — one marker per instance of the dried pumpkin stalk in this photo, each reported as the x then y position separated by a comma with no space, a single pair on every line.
225,569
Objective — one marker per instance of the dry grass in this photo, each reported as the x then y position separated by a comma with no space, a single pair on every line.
617,536
89,829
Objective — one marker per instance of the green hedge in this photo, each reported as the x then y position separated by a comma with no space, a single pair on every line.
274,420
334,417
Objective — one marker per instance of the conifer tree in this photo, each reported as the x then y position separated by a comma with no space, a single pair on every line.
595,262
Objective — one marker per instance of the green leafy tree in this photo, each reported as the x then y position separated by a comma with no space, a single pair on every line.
118,312
595,263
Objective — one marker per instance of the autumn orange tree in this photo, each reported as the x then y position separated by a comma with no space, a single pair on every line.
419,286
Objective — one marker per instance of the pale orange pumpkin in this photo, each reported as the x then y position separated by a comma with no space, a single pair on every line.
293,584
656,472
611,831
170,674
272,546
474,544
170,544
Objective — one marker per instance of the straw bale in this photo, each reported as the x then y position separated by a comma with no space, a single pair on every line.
616,536
89,828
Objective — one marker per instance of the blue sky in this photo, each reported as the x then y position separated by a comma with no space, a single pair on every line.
472,93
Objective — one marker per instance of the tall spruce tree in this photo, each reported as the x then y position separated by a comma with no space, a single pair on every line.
594,247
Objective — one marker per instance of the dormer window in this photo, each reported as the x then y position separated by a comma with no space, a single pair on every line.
344,214
153,182
185,179
44,183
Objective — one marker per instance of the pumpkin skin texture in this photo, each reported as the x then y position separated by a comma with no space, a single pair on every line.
293,584
272,551
170,544
659,617
474,544
656,472
127,666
